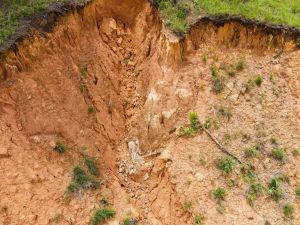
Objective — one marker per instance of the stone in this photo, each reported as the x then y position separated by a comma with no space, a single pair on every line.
249,215
52,144
3,152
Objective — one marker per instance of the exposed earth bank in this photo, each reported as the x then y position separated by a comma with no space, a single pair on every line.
110,82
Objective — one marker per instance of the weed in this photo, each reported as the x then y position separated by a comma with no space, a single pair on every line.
203,162
295,151
240,64
190,155
232,72
217,30
128,199
201,86
32,181
285,178
231,183
258,80
3,208
126,62
278,153
250,152
297,191
183,58
56,218
189,181
181,76
260,101
92,166
207,124
219,194
226,164
271,76
217,58
60,147
91,109
274,190
217,84
214,72
126,221
103,201
198,220
273,140
201,72
204,58
63,101
288,209
249,85
83,148
187,204
101,214
255,190
267,222
227,138
81,87
260,146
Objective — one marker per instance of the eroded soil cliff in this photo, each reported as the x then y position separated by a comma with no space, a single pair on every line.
109,81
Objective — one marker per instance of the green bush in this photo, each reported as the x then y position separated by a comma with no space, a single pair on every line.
102,214
274,190
60,147
226,164
92,166
258,80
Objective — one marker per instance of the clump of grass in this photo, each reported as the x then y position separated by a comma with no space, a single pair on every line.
285,178
60,147
217,84
232,72
201,86
219,194
274,190
126,221
297,191
56,218
81,87
240,65
273,140
91,109
204,58
217,58
103,201
92,166
226,164
195,126
81,181
288,210
3,208
271,76
201,72
199,219
255,190
102,214
181,76
187,204
126,62
250,152
295,151
214,72
278,153
83,70
258,80
249,85
225,111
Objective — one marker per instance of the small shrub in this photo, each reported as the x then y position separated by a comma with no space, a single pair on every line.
274,190
91,109
207,124
187,204
219,194
232,72
103,201
258,80
288,209
240,64
189,181
203,162
217,58
295,151
190,155
56,218
255,190
60,147
271,76
101,214
226,164
297,191
3,208
214,72
81,87
126,62
267,222
92,166
278,153
198,220
201,86
126,221
181,76
250,152
201,72
217,84
204,58
273,140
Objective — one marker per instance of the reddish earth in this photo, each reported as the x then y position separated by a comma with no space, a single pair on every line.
142,81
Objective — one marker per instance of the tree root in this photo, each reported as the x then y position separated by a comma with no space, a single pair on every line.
222,147
235,32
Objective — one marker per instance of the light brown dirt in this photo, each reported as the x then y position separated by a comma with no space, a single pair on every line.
133,131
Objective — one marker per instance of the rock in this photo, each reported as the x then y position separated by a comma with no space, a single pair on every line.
3,152
249,215
199,176
52,144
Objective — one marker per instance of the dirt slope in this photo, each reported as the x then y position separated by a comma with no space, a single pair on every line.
142,81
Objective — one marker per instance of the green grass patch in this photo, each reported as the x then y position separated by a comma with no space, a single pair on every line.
60,147
102,214
226,164
274,190
92,166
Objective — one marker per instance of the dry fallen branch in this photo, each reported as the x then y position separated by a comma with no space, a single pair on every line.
221,146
